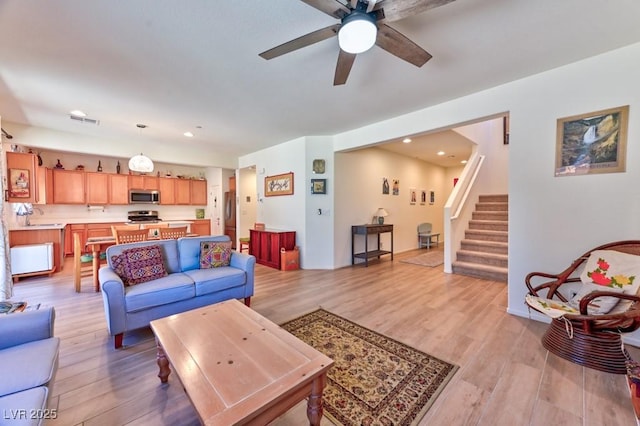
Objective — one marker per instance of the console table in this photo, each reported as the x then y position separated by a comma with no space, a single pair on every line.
265,245
367,230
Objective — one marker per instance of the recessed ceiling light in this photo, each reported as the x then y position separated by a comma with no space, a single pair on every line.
188,134
406,140
441,152
464,162
77,113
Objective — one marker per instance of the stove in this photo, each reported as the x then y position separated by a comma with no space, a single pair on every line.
143,216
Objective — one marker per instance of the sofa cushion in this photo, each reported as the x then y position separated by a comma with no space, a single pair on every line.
214,254
599,305
18,407
161,291
189,250
216,279
39,357
139,264
169,250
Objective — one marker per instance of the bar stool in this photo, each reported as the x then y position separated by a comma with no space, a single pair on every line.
244,243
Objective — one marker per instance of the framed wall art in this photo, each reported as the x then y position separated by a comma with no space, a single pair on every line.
413,196
318,186
595,142
278,185
318,166
20,183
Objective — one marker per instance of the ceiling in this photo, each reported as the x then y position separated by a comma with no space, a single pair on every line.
194,65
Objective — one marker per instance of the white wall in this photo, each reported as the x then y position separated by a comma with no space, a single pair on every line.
359,195
247,208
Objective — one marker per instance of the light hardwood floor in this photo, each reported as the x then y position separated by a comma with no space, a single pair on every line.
505,376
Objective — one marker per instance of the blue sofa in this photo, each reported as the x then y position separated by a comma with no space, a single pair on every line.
28,363
185,287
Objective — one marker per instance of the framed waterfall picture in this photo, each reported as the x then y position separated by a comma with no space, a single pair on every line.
595,142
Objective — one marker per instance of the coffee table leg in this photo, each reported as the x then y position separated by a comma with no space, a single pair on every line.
163,363
314,405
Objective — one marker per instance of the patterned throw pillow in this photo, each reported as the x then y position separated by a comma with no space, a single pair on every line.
140,264
214,254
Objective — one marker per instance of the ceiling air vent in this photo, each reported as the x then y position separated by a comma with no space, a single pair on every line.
85,120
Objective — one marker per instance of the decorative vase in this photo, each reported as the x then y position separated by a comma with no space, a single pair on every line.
118,168
99,166
380,220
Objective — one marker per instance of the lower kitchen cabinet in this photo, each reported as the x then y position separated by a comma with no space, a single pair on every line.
201,227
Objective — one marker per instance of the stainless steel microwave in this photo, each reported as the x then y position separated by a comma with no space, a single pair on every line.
144,196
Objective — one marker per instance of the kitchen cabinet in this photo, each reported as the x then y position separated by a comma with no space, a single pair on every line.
97,188
167,189
70,231
22,177
183,191
45,185
118,189
199,192
201,227
68,187
39,236
143,182
265,245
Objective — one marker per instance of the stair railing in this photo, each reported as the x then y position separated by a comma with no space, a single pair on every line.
454,207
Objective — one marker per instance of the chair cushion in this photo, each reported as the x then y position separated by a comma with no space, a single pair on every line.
612,269
139,264
40,358
214,254
599,305
18,407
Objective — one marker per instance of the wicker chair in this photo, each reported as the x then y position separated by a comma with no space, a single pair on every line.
593,341
130,236
173,233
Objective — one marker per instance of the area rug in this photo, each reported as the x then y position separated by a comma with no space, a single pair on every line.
375,380
433,258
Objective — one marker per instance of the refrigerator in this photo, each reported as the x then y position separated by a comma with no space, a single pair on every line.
230,216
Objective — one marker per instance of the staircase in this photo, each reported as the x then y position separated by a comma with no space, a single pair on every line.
483,252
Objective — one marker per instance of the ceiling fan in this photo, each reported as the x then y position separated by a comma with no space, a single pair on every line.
363,23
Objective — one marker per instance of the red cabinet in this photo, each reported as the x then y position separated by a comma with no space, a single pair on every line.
265,245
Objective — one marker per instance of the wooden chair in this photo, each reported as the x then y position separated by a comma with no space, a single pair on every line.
593,341
173,233
123,236
123,228
244,243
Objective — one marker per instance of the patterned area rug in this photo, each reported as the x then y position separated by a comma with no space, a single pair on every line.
375,380
433,258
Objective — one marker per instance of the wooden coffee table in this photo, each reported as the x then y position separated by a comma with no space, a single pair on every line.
237,367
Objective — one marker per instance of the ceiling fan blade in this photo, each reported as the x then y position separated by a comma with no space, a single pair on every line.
397,44
394,10
300,42
343,68
330,7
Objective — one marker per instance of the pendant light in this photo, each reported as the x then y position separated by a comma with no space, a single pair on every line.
141,163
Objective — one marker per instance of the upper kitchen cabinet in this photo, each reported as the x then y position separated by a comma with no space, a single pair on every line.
97,188
23,178
183,191
167,187
68,186
118,189
143,182
199,192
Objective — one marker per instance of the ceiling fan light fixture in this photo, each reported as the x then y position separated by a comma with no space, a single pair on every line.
358,32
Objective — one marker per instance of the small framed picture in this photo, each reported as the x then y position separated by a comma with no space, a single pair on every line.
318,166
318,186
